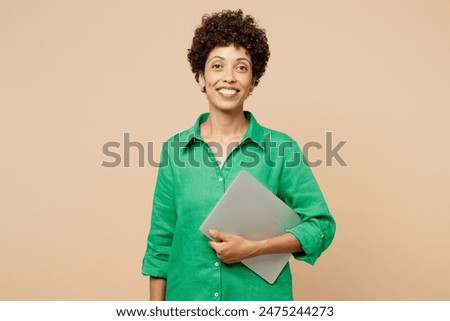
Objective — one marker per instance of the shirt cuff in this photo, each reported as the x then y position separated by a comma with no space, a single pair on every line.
311,240
152,266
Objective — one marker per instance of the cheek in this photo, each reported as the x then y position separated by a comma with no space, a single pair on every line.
246,82
244,78
212,80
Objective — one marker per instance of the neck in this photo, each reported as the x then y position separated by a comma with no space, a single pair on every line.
224,127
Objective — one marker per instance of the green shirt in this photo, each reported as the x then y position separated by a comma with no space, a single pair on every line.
189,184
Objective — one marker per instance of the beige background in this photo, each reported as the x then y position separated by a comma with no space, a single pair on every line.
77,74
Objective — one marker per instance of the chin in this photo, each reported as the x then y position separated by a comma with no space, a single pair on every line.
228,108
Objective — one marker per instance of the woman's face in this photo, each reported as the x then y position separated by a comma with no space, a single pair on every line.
227,78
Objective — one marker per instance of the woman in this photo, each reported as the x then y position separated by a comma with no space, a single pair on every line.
228,56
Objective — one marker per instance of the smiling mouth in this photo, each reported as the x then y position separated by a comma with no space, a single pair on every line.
227,92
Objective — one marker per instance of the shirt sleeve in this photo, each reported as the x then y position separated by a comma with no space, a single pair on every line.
299,189
159,242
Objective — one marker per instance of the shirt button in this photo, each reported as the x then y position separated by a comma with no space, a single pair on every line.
220,179
321,235
216,294
216,264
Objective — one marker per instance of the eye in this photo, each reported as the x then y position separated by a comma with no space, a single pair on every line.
242,68
216,66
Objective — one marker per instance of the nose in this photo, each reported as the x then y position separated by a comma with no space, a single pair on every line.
229,76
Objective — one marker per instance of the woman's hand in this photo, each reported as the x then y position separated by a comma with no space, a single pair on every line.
233,248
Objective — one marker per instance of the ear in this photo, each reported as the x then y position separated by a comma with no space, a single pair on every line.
254,82
201,80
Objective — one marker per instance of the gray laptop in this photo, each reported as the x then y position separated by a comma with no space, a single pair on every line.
252,211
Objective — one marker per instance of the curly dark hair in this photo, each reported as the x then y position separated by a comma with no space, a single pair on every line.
226,28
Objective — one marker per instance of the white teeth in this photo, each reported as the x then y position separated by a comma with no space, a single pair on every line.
227,92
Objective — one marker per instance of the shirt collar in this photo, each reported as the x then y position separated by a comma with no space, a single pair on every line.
255,132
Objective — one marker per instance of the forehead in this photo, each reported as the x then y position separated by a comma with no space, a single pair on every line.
230,52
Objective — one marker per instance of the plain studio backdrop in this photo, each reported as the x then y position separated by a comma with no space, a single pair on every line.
75,75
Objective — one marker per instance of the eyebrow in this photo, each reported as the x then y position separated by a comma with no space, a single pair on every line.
222,58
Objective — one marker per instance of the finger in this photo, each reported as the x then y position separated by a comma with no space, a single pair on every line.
217,248
215,245
213,234
216,235
220,236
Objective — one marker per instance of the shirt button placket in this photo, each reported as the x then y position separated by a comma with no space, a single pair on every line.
221,184
217,294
